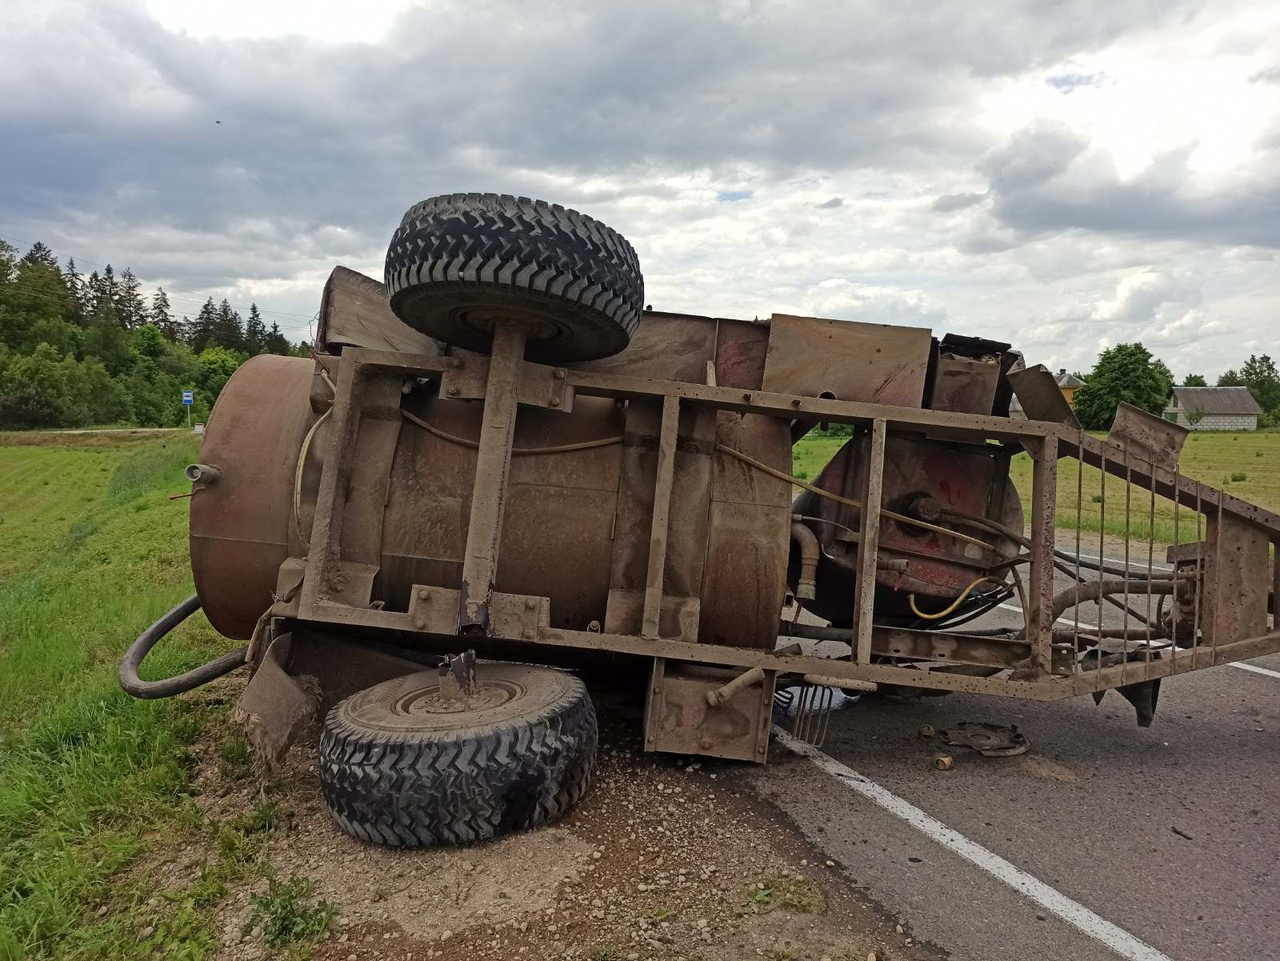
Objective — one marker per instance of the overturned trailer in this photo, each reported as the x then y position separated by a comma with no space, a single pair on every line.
502,450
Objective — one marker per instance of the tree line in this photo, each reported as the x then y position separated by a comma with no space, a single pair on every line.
77,350
1129,373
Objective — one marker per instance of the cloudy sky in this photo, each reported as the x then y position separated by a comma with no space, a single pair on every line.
1064,175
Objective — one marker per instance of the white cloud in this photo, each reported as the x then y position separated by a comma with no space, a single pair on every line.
1058,176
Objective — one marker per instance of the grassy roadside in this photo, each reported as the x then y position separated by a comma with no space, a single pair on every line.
1245,465
91,551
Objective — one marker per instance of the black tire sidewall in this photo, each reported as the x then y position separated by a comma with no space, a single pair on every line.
459,261
480,775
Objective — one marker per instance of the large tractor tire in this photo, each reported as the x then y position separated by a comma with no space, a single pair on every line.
404,766
460,263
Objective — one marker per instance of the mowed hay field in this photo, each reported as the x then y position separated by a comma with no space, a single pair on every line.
92,551
1245,465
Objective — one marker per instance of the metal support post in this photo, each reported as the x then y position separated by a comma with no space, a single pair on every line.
493,465
1044,507
661,516
864,591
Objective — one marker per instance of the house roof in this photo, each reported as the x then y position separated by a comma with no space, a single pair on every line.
1216,400
1063,379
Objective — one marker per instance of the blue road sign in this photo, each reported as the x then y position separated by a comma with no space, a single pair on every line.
188,397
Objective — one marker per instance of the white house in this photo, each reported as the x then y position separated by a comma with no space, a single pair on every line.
1213,408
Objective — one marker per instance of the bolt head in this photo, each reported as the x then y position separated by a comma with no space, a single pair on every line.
453,391
559,374
455,363
555,401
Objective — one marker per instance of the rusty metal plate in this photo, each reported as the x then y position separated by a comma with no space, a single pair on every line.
1147,437
677,619
1041,397
354,313
664,346
965,384
872,363
679,719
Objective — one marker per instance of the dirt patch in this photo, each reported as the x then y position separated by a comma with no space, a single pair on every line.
664,858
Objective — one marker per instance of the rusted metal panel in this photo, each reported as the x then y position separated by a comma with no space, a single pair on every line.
678,618
1041,397
1146,437
679,719
873,363
1237,580
665,346
740,354
354,313
965,384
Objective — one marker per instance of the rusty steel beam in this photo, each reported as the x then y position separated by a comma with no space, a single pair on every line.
790,405
493,467
663,480
1044,506
864,590
331,498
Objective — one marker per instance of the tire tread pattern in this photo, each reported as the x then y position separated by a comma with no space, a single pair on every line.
498,241
413,789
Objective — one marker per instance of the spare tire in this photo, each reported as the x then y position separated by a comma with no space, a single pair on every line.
460,263
404,766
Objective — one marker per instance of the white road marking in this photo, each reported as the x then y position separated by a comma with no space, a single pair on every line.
1077,915
1256,670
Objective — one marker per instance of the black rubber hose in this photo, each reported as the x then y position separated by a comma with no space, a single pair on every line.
149,638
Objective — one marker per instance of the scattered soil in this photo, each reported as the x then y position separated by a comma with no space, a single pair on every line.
666,857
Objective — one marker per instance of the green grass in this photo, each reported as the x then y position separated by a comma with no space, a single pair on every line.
91,552
1245,465
289,913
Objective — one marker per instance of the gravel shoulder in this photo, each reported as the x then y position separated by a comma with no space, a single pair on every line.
666,857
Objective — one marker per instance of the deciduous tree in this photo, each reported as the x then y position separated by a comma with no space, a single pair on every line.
1125,373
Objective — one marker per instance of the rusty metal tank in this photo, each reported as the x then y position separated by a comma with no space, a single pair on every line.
577,518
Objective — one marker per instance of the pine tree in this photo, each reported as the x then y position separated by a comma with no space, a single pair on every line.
228,332
79,295
275,342
40,254
201,330
129,304
161,318
255,334
103,289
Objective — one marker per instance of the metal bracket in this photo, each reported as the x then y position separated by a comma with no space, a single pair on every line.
537,385
434,610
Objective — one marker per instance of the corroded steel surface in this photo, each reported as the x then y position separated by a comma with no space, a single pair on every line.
647,511
241,525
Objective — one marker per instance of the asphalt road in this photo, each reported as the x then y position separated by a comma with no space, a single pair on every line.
1171,833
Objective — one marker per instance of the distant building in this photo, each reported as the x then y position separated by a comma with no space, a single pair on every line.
1068,384
1213,408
